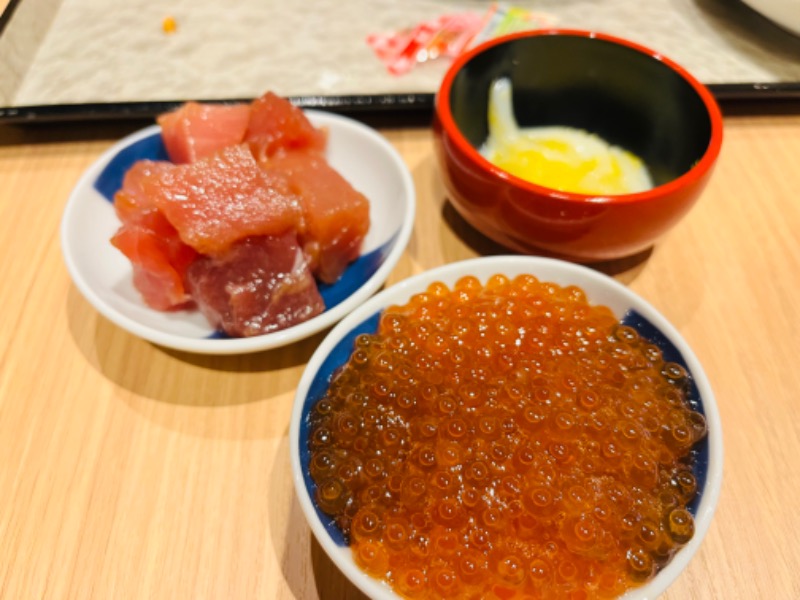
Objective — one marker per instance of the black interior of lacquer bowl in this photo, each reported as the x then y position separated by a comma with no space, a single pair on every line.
627,97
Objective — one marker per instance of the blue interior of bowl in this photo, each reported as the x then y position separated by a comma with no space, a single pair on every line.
337,357
151,147
341,353
670,353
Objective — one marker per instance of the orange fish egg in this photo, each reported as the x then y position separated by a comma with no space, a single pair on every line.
514,441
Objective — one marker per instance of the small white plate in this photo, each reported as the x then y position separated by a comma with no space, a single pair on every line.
631,309
104,275
784,13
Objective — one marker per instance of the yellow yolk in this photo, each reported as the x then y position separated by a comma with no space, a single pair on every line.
561,158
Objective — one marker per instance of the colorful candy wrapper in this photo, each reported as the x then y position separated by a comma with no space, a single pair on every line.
449,35
446,35
502,20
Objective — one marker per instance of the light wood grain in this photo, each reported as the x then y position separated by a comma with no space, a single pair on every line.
128,471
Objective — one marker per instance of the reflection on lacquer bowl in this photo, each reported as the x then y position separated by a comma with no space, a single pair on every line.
630,96
342,440
104,276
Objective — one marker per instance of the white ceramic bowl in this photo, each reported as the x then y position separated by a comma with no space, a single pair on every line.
104,276
600,289
785,13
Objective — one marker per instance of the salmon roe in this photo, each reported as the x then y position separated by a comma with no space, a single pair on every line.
506,440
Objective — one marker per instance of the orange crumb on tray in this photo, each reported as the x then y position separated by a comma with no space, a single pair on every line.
169,25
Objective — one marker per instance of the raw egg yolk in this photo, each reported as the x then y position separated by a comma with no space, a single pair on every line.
558,157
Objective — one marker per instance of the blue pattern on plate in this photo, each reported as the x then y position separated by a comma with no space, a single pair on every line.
110,179
341,353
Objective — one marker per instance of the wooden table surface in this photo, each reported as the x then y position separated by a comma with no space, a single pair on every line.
130,471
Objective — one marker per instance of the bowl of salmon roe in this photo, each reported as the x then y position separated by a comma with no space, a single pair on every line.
507,427
618,93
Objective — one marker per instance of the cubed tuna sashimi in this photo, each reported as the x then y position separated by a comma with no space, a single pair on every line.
336,215
223,198
276,125
196,130
157,254
159,261
260,285
133,201
244,220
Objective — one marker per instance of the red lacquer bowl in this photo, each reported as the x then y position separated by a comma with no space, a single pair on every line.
629,95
